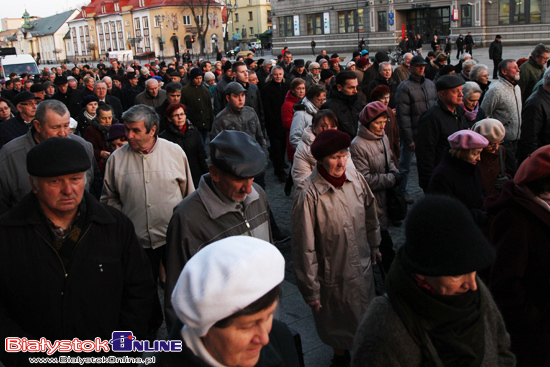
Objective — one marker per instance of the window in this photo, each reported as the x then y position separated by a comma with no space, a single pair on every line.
350,21
103,9
136,23
251,31
145,22
157,22
117,7
141,3
286,26
382,21
236,17
199,17
244,32
466,12
519,12
119,26
250,16
314,24
249,2
186,20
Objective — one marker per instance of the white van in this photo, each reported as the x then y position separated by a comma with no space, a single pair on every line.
17,64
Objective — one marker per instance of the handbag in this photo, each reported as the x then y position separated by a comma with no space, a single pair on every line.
395,200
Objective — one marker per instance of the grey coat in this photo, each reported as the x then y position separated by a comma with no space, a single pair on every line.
146,99
244,120
503,102
383,341
367,152
334,231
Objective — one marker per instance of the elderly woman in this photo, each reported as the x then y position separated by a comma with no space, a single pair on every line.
225,299
181,131
50,89
372,156
304,112
350,66
458,175
89,106
382,94
98,132
492,172
304,162
480,75
335,237
520,233
436,311
314,75
466,68
470,103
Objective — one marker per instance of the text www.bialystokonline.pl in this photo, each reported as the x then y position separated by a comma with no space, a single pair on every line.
92,360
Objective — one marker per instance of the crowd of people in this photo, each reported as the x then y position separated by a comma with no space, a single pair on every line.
116,180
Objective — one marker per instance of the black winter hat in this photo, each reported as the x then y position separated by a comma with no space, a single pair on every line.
442,239
381,57
57,157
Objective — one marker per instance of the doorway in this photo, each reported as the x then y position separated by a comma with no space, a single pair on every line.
429,22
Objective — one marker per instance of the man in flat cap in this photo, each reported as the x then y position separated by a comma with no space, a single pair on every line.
68,96
196,97
298,71
146,179
51,120
226,203
130,91
437,124
26,103
70,267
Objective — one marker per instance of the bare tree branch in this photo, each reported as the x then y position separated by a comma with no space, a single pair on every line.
199,10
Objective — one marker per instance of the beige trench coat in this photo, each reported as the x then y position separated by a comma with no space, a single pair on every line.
367,153
334,231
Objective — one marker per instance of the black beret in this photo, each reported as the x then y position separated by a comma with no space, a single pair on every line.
446,70
333,56
418,60
60,80
226,66
381,57
89,98
35,88
131,75
329,142
249,62
175,73
23,97
57,157
448,82
442,239
326,74
236,153
195,73
299,63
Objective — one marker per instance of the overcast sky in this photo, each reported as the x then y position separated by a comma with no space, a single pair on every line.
39,8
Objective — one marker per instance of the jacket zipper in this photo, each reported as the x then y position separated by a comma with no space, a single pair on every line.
247,223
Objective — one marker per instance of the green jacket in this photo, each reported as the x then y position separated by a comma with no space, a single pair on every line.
530,74
199,105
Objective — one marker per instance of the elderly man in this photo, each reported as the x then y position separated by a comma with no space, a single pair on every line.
130,91
51,120
68,96
146,179
39,92
112,89
401,72
345,103
503,102
436,310
531,71
26,103
152,96
437,124
384,77
226,203
535,129
70,267
100,91
298,71
246,274
197,99
264,72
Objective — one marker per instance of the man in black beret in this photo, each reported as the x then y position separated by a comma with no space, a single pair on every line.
226,203
39,91
68,96
298,71
26,103
70,267
436,124
130,91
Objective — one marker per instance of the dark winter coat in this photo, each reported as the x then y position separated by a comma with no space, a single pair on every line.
530,73
434,127
254,100
273,96
535,126
347,108
12,128
459,43
413,97
108,287
462,180
279,352
98,140
199,106
489,168
129,95
71,99
520,233
83,123
380,80
191,143
368,76
219,95
117,106
495,50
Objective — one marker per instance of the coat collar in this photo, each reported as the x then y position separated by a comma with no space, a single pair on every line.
323,185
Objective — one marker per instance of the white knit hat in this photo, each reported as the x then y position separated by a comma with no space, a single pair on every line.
225,277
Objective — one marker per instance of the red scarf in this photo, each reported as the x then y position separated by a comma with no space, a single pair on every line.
335,181
183,129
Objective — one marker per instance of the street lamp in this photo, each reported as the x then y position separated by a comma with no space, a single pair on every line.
159,19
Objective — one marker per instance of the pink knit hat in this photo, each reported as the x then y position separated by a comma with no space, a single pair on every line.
371,112
467,139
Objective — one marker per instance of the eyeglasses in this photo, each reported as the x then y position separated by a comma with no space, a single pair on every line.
179,115
29,103
315,68
494,145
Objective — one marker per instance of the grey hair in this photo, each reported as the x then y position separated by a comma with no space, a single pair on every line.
540,49
407,54
314,65
99,82
277,67
468,63
107,78
53,105
470,87
476,71
546,78
464,56
143,113
383,63
150,81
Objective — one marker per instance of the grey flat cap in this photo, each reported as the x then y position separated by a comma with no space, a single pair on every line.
236,153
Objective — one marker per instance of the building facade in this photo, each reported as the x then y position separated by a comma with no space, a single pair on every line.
339,26
247,20
148,28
